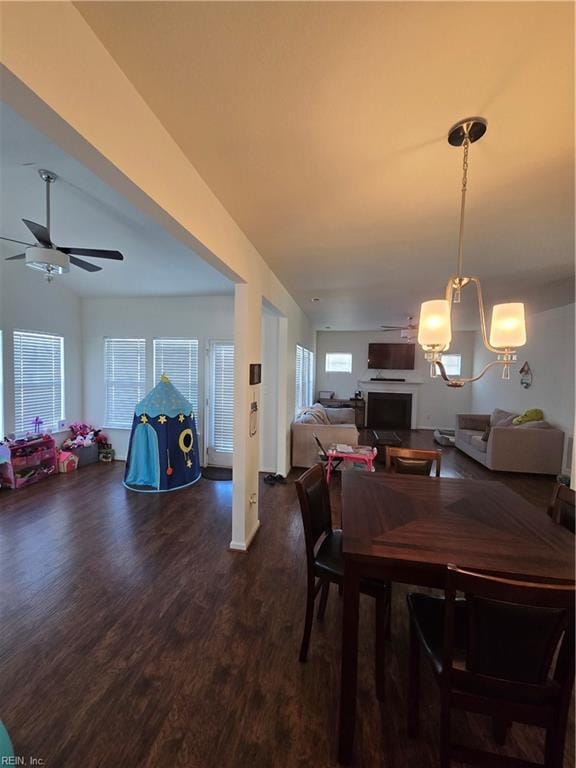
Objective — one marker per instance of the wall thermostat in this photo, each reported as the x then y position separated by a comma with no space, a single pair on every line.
255,373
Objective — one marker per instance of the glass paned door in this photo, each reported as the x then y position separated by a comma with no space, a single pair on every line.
220,404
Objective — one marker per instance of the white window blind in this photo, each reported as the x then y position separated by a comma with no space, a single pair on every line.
178,359
38,380
222,406
304,377
338,362
452,364
125,379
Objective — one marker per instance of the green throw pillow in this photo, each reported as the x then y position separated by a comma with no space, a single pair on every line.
532,414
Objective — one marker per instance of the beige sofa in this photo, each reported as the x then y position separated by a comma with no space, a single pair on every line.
537,449
332,425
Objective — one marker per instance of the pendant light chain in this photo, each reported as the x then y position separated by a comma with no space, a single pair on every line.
47,205
466,145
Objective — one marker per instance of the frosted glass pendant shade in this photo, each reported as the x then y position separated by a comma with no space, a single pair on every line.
508,329
434,329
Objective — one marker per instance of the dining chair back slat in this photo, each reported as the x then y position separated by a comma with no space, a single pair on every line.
507,651
314,499
562,506
412,461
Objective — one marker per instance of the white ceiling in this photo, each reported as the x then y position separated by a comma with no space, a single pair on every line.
322,128
87,213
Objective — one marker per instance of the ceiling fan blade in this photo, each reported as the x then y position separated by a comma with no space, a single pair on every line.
11,240
14,258
94,253
40,233
84,264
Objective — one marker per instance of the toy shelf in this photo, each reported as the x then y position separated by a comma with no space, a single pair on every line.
30,461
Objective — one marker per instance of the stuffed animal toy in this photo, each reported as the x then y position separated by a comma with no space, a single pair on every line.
532,414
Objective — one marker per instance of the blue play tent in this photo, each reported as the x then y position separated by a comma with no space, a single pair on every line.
163,453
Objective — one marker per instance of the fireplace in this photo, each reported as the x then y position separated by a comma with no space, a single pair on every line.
389,410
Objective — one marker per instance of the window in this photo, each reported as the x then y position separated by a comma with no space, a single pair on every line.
38,380
338,362
452,364
221,438
304,377
125,379
178,359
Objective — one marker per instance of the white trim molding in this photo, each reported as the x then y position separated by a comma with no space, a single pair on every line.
242,546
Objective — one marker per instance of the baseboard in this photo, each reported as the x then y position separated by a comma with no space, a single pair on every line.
242,546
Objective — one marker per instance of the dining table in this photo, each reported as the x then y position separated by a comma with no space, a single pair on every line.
408,529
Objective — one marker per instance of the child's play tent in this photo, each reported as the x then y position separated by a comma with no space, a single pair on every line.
163,453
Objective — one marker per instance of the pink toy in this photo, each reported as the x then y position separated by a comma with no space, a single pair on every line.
358,454
67,462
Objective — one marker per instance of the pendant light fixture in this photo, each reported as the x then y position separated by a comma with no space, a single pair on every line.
508,327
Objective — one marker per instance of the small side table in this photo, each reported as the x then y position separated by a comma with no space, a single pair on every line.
360,455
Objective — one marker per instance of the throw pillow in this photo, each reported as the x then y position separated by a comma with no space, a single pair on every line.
313,415
500,418
340,415
532,414
540,424
486,434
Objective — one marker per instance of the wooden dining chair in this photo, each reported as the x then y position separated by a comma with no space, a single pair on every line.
505,650
562,506
412,461
325,565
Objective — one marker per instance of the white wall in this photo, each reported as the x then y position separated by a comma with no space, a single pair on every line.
550,353
28,302
437,403
197,317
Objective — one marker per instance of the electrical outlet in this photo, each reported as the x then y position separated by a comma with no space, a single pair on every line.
62,425
252,498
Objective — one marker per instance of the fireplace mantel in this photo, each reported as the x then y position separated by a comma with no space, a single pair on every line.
376,386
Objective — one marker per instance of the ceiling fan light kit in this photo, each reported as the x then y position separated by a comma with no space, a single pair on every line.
49,260
508,327
46,257
408,332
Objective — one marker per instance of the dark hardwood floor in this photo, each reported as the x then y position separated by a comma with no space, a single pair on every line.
131,637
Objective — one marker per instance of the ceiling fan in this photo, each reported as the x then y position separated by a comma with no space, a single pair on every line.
52,259
408,332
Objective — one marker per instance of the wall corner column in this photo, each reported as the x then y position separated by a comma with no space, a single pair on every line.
247,349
